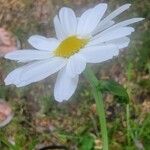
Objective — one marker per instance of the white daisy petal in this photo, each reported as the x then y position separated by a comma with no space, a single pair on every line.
100,28
23,83
34,72
82,22
68,20
114,14
109,23
28,55
42,69
58,29
76,65
111,35
14,76
90,19
96,54
120,43
65,86
43,43
126,23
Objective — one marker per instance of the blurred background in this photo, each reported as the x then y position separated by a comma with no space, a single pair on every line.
31,119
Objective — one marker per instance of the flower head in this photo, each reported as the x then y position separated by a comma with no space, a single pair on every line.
89,38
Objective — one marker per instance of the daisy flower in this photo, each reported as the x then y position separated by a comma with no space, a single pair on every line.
89,38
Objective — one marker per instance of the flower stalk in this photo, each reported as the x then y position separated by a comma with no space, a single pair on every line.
128,123
99,105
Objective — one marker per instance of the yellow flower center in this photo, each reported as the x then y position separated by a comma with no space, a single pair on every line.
70,46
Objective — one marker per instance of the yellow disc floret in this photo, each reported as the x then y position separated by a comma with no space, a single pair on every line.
70,46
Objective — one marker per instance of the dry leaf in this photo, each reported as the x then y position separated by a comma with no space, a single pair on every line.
5,113
7,42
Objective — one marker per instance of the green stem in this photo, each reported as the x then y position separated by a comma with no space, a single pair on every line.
99,104
130,135
128,123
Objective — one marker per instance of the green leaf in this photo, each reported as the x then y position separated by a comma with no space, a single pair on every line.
7,143
86,142
115,88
